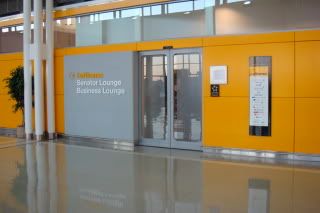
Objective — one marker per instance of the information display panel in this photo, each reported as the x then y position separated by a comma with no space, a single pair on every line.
260,95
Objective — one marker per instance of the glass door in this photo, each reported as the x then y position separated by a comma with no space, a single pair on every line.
186,99
155,111
171,99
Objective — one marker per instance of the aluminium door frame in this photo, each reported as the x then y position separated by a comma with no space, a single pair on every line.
169,141
177,144
146,141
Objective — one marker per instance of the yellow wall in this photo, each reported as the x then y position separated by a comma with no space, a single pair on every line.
226,120
307,92
8,119
295,93
295,96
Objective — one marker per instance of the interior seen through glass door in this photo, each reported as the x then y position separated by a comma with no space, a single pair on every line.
187,97
155,111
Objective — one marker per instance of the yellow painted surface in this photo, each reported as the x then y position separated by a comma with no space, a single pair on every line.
59,99
178,43
307,104
151,45
8,119
95,49
249,39
308,69
5,23
236,57
59,75
307,117
11,56
307,35
226,124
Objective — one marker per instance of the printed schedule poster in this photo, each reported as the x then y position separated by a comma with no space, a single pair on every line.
260,95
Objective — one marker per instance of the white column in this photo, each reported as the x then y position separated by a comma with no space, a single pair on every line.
50,70
27,68
38,70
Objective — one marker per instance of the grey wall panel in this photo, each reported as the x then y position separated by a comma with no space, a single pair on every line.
101,115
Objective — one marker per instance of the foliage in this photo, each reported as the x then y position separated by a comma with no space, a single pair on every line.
15,85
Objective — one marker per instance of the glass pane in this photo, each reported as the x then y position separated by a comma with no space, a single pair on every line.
187,99
155,110
11,39
65,32
181,7
194,58
131,12
106,16
176,20
156,10
183,19
147,11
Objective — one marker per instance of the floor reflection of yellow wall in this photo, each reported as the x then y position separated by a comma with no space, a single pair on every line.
226,187
10,158
306,191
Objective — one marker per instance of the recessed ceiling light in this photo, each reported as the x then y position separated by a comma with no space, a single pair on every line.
247,2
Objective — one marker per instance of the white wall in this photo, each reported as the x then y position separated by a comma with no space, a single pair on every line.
267,16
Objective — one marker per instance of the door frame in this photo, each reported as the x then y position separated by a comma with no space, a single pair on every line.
146,141
170,141
175,144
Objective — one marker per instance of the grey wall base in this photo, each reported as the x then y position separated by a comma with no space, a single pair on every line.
98,142
265,156
8,132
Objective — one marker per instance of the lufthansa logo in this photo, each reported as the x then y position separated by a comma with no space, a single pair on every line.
84,75
73,75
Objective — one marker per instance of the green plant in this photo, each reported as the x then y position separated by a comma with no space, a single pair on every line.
15,85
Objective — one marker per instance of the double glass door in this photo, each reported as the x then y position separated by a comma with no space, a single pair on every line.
171,99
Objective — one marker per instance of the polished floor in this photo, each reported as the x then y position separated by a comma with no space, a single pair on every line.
56,177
